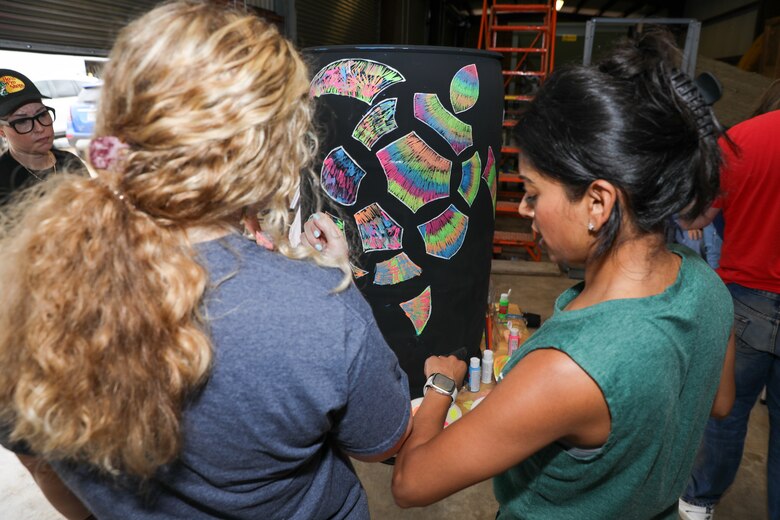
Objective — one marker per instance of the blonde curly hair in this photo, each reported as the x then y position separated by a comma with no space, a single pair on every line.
101,340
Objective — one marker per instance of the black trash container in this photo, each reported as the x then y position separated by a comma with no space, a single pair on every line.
410,141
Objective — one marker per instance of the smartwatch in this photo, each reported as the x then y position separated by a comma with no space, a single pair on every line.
441,384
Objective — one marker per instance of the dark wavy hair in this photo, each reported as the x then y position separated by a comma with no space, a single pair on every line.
634,120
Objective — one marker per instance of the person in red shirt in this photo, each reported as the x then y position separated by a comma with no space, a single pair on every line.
750,267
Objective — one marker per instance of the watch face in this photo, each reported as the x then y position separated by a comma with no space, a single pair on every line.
444,382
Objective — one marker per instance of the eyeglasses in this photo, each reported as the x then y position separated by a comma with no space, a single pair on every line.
24,125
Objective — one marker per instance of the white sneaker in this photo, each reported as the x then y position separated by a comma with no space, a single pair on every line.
691,512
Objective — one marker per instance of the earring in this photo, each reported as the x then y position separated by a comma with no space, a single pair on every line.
591,227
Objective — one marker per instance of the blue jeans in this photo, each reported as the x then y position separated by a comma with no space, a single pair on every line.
708,246
756,323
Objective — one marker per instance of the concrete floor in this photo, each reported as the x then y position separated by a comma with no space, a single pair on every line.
746,500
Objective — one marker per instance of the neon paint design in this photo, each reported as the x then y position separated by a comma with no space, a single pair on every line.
444,235
469,180
340,176
464,89
429,110
354,77
416,174
378,231
378,121
339,223
453,414
489,175
357,272
418,310
396,270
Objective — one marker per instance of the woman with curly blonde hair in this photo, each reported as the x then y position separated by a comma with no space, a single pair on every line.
162,363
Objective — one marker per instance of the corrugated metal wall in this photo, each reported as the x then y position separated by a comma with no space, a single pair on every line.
84,27
337,22
66,26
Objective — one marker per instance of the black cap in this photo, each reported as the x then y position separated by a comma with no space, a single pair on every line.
16,89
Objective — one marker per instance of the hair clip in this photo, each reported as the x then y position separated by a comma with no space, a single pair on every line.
689,92
106,152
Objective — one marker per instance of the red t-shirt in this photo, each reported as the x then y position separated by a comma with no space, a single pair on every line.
750,202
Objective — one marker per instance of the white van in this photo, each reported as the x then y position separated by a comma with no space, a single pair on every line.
63,93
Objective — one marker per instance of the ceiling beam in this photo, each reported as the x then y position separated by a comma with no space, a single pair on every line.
580,4
606,6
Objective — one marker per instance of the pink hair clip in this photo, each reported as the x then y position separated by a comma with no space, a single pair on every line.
106,151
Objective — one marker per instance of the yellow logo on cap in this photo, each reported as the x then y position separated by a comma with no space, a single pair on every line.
10,84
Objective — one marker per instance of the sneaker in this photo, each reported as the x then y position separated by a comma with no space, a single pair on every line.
691,512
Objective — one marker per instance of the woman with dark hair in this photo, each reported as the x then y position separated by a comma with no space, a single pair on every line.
599,414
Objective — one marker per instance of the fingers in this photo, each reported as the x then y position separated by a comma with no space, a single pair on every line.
695,234
324,235
450,366
312,233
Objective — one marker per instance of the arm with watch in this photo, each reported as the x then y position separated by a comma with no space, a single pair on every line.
544,398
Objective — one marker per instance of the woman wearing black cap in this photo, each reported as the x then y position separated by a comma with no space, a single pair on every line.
26,124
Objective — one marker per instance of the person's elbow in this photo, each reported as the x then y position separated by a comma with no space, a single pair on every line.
405,492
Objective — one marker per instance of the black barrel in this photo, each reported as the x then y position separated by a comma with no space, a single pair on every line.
410,139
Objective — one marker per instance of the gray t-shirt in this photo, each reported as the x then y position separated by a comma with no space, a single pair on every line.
301,375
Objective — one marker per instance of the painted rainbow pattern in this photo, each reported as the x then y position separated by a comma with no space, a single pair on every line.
429,110
444,234
489,175
471,170
464,89
396,270
356,78
378,121
357,272
415,173
378,231
418,310
340,176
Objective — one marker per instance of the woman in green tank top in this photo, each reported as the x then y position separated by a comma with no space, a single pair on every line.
600,413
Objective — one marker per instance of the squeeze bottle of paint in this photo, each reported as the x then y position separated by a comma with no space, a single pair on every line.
487,366
503,306
514,340
474,375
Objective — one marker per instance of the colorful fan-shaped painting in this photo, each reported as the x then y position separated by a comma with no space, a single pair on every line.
340,176
396,270
471,169
489,174
418,310
357,272
464,89
444,235
416,174
378,121
429,110
356,78
378,231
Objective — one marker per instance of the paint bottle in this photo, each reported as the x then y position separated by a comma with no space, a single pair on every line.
474,375
514,340
487,367
503,306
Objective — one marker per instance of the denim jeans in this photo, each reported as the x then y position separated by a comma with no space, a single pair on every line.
756,323
708,246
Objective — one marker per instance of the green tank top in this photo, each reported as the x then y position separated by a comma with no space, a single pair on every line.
657,361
